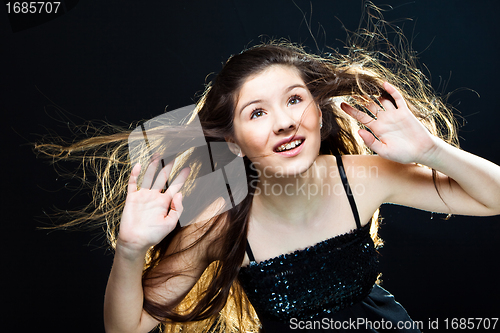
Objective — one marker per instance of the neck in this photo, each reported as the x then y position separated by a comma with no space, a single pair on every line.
291,200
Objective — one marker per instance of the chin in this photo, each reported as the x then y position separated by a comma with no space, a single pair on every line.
298,168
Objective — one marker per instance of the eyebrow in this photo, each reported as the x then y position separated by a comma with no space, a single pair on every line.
298,85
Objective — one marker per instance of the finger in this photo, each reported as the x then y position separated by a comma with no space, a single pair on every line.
370,141
356,114
176,185
377,102
375,109
134,175
162,178
147,181
176,209
388,105
398,98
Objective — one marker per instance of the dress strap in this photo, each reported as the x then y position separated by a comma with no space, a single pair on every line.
250,253
348,191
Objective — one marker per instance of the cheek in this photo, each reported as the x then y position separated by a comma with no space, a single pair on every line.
311,123
253,142
311,116
248,137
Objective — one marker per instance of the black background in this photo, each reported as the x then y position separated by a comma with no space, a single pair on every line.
124,61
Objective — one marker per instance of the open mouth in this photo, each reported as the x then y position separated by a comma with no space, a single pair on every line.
289,145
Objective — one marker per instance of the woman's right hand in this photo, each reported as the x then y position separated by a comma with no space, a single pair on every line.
149,215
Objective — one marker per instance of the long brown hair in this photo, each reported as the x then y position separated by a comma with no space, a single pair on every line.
356,77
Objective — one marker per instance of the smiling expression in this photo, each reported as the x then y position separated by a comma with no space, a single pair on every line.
277,122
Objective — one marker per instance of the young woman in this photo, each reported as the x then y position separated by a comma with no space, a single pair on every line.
302,244
308,256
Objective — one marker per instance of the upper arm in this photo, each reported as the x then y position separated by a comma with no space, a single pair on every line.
413,185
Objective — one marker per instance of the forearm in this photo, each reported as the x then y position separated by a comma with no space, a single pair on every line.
124,294
478,177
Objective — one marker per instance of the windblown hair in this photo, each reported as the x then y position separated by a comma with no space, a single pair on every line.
217,300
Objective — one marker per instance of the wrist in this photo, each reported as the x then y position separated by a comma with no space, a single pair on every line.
431,156
131,252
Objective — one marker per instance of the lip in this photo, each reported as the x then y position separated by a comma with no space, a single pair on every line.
291,152
286,140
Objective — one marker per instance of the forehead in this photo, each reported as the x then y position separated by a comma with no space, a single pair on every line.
273,79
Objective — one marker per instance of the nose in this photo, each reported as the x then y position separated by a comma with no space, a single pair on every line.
283,122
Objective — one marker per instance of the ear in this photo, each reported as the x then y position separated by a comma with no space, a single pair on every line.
233,147
319,110
320,114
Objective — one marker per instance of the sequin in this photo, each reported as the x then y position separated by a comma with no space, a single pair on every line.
324,278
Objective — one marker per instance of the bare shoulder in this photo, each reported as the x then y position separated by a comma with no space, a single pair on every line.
373,169
363,167
374,166
392,182
373,179
363,173
368,161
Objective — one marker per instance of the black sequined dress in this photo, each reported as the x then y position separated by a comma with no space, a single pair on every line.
329,286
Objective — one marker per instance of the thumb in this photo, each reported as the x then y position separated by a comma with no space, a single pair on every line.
175,210
176,204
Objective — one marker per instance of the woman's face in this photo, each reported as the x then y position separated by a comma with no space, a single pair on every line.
277,122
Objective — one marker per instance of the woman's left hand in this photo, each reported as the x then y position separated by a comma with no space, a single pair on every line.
402,138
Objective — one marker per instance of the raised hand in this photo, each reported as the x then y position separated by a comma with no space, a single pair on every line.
149,213
402,138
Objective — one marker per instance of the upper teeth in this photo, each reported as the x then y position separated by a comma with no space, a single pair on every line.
289,145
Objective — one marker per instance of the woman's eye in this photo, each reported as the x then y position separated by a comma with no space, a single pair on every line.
295,99
256,114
